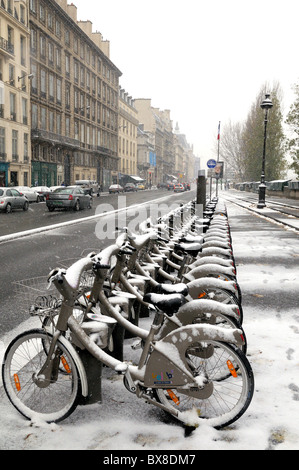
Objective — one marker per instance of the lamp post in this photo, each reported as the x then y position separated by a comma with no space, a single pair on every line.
266,104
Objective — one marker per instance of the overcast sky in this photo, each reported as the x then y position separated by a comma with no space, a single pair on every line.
203,60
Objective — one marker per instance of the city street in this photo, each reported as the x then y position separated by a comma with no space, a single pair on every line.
36,255
266,256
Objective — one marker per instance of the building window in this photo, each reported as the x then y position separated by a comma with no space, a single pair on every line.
76,101
76,45
50,20
76,130
82,50
22,14
51,53
58,28
33,40
51,87
82,76
67,37
67,126
76,71
58,124
82,132
43,86
23,50
11,74
68,96
34,116
43,118
67,65
24,110
14,143
32,6
42,15
2,143
51,121
26,155
58,90
42,45
58,59
12,101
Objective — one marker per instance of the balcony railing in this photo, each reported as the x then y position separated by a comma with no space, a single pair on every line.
6,46
41,134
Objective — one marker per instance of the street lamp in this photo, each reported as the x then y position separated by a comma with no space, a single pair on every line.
29,75
266,104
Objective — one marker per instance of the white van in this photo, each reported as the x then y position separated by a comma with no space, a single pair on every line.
89,187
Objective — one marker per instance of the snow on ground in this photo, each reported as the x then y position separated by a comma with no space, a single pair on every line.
268,276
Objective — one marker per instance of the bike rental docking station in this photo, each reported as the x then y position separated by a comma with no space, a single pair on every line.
179,269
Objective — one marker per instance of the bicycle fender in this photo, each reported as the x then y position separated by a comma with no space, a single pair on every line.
190,312
211,259
167,365
208,269
216,251
216,243
197,286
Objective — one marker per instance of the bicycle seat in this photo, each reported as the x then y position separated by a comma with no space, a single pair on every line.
168,304
189,248
179,288
191,239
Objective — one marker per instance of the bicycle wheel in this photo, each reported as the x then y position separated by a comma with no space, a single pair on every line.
23,360
230,382
224,296
226,277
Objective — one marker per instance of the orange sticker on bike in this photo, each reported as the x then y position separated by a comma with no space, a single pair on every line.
17,382
173,396
231,368
65,365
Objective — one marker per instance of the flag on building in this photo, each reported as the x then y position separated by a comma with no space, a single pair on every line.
218,137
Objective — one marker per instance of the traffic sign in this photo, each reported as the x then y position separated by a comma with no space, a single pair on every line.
211,163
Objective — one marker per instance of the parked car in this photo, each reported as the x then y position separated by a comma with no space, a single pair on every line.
30,193
162,186
140,186
42,191
52,188
178,188
69,197
130,187
115,188
89,186
11,199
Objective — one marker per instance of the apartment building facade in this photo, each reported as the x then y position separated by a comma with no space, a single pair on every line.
128,125
14,93
173,156
146,156
74,98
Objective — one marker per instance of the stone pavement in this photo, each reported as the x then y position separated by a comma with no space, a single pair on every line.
267,256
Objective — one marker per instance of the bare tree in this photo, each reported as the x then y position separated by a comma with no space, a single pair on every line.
232,149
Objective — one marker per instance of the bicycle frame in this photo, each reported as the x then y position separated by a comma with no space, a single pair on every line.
154,354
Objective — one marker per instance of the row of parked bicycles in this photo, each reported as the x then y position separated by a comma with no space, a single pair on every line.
178,276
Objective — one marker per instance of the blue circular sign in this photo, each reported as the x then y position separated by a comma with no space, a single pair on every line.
211,163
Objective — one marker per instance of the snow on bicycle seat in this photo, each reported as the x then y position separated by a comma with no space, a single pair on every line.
189,248
191,238
168,304
179,288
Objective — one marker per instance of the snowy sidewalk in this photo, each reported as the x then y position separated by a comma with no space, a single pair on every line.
267,268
